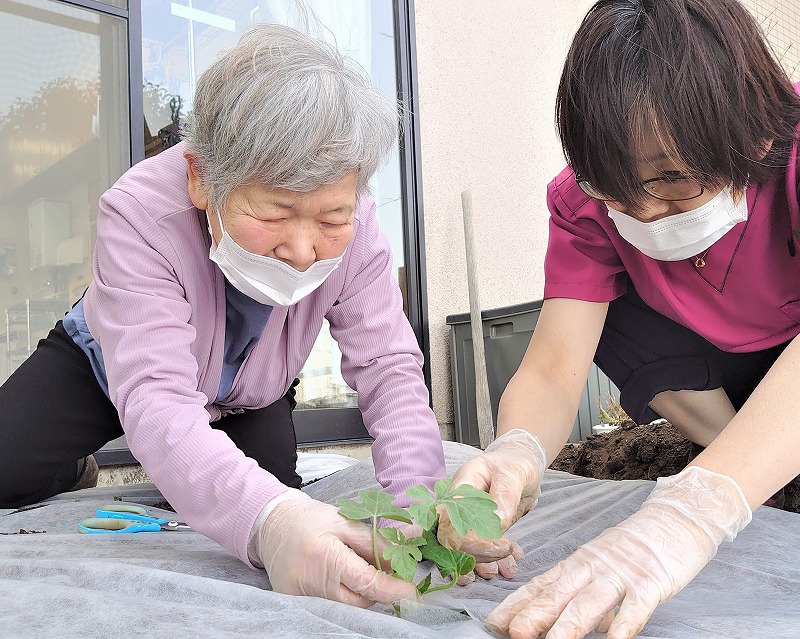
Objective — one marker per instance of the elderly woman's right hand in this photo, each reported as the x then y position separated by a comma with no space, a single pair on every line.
308,548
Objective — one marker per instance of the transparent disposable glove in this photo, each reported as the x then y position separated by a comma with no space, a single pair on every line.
510,470
308,548
637,564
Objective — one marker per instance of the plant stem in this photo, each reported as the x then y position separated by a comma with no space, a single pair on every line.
443,586
375,543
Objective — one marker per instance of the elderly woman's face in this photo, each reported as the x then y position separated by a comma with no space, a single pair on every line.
296,228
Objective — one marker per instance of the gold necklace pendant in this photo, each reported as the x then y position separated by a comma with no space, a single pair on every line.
700,259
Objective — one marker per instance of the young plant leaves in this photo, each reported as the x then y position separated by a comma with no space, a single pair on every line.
423,510
469,509
422,586
373,504
404,554
449,562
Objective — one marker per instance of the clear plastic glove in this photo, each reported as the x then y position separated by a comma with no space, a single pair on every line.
510,470
635,565
308,548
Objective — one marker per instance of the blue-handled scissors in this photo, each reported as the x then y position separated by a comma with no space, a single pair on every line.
122,517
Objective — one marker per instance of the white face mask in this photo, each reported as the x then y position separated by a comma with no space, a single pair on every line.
683,235
265,279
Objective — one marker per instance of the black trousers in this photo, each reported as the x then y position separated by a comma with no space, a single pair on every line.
54,413
644,353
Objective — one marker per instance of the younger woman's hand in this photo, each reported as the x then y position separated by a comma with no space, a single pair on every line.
510,470
635,565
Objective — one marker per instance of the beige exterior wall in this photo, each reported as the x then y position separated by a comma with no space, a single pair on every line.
487,74
780,20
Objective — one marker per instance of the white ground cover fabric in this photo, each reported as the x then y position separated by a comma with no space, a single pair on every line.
314,466
59,583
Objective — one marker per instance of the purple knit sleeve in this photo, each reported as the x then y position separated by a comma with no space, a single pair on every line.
382,361
137,311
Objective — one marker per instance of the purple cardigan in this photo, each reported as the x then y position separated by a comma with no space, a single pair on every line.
156,306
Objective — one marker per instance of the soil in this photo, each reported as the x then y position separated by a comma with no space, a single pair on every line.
629,452
22,531
641,452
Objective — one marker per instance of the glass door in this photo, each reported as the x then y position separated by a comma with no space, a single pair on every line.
64,139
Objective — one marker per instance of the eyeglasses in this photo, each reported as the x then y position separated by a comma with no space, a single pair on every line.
671,188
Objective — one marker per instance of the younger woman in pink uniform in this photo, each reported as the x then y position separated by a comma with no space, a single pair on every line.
673,264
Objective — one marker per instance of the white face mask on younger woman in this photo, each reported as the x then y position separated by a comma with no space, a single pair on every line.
683,235
266,279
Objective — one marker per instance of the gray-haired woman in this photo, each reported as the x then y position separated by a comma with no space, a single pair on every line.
215,264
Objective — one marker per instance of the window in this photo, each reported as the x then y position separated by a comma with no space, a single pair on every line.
64,139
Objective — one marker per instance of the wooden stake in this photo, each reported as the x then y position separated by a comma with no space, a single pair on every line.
483,402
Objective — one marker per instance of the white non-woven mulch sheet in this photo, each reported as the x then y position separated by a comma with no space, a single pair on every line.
59,583
314,466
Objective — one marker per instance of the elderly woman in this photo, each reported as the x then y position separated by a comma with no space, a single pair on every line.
215,265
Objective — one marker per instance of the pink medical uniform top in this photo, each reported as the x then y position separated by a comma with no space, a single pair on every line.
747,296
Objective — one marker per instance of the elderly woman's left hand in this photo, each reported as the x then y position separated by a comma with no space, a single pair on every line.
638,564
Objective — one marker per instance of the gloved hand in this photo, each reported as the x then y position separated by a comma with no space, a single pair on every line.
308,548
510,470
637,564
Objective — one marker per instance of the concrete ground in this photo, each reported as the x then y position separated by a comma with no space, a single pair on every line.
133,474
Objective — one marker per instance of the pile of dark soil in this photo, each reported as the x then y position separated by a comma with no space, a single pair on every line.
641,452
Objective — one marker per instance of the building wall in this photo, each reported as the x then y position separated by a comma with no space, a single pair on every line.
780,20
487,74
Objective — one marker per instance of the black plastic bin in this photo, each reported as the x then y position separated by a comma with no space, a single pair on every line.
506,333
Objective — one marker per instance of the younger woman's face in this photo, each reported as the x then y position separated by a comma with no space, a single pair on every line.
653,162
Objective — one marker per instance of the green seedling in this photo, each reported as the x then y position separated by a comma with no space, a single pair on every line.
468,509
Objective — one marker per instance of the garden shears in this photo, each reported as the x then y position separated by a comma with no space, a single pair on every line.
122,517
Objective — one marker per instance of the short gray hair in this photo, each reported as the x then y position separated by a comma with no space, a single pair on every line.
283,110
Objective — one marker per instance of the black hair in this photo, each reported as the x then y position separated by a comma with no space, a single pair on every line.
699,74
